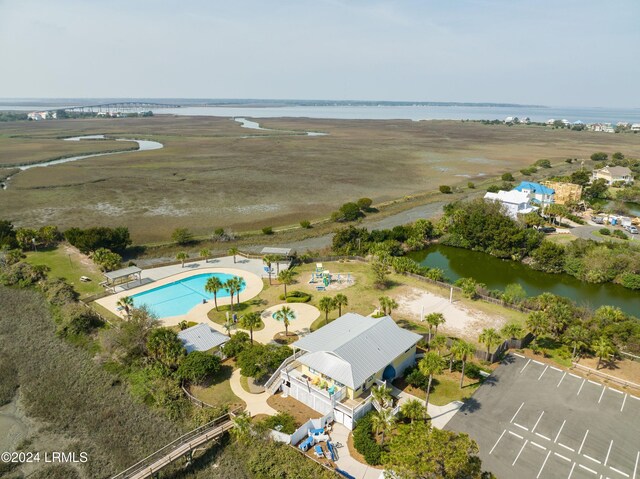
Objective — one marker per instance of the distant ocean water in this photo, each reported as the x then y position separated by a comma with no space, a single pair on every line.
586,115
391,112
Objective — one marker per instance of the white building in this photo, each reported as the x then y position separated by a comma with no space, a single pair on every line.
514,202
538,194
614,174
335,367
635,127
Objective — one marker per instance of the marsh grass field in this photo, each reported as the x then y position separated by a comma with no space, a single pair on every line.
214,173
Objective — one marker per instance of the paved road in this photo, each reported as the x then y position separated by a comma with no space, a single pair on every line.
427,211
536,421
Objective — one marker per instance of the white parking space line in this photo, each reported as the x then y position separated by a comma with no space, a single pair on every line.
571,471
619,471
606,459
559,370
536,424
523,367
542,373
494,446
561,379
575,375
583,440
593,382
538,446
543,437
623,401
519,452
538,362
615,390
583,381
635,468
587,469
602,394
634,397
516,435
519,355
566,447
558,435
514,416
592,459
520,426
543,464
562,457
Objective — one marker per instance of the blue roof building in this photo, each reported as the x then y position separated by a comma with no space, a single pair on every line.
538,193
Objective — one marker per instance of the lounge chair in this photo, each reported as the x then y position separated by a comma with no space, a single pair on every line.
317,450
313,278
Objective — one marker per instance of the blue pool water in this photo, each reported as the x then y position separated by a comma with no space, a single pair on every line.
276,318
177,298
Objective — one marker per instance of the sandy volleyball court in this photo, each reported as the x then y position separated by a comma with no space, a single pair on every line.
460,321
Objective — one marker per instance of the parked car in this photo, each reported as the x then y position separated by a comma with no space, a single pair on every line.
547,229
632,229
597,220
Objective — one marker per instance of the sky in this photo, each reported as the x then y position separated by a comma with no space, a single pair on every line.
547,52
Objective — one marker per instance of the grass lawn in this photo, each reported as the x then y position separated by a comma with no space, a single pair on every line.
217,391
444,389
68,263
555,350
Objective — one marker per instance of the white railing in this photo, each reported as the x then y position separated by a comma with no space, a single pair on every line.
614,379
274,377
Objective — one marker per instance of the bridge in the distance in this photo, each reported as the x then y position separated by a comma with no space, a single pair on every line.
119,106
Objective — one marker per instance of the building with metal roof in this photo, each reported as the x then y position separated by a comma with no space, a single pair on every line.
539,194
335,367
201,338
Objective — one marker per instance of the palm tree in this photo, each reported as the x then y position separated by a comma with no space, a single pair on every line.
286,278
434,320
231,286
241,426
412,409
126,303
382,394
276,259
462,350
577,336
269,259
183,325
438,343
227,327
326,305
511,331
602,347
537,323
240,284
205,253
250,321
383,422
233,252
286,316
490,337
213,285
387,304
341,300
182,256
429,365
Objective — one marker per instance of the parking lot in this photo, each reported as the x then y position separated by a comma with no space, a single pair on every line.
533,420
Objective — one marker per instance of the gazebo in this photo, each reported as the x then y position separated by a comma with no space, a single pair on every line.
115,277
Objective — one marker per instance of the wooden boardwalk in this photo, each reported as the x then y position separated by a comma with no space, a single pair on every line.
181,447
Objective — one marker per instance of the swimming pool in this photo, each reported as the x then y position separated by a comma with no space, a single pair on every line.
179,297
275,315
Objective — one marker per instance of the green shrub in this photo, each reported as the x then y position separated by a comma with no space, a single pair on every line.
267,230
364,203
306,224
364,442
446,189
471,185
605,231
599,156
283,422
543,164
529,171
630,280
182,236
620,234
507,177
296,297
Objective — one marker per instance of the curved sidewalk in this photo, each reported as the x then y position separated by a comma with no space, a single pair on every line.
256,403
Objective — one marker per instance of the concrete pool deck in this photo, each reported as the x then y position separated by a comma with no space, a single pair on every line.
156,277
